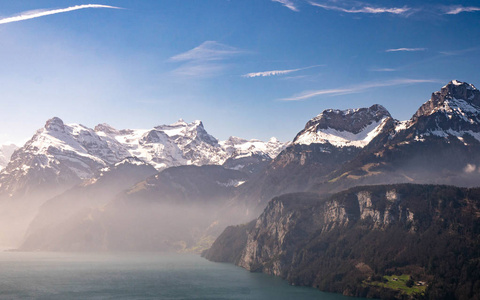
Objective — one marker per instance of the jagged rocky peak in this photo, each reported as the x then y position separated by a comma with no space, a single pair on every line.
452,97
193,131
351,127
203,135
55,124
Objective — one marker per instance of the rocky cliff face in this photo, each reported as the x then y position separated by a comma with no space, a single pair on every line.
345,242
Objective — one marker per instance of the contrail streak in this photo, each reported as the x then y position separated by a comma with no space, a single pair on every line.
36,14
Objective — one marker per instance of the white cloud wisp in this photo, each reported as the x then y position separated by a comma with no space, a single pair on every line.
456,9
204,60
405,50
366,9
276,72
288,4
356,88
41,13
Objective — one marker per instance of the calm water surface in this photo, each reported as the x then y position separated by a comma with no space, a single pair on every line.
137,276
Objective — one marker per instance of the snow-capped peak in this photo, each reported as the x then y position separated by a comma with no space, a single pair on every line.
454,99
340,128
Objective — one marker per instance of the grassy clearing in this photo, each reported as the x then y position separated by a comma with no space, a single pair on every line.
399,283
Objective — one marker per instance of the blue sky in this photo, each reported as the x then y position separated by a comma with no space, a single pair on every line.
249,68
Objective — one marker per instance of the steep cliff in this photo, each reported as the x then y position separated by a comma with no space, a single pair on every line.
351,242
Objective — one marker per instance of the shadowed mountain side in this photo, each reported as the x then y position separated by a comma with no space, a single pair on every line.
91,194
175,210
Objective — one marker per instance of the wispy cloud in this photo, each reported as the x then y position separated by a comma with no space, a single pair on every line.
288,4
364,8
205,59
405,50
207,51
383,70
356,88
41,13
456,9
276,72
459,52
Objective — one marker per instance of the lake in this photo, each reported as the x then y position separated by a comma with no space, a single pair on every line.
137,276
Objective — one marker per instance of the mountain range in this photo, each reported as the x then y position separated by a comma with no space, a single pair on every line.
365,219
175,188
60,156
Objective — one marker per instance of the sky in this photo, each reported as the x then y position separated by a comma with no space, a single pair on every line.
247,68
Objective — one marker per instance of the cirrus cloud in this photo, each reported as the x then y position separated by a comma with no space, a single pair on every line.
364,8
288,4
356,88
405,50
456,9
41,13
276,72
205,60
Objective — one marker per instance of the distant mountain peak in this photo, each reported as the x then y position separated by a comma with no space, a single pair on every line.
350,127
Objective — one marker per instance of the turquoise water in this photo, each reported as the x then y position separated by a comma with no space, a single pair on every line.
137,276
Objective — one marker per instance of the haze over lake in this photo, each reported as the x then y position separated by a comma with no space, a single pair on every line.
137,276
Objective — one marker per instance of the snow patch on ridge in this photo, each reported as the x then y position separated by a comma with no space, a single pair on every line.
342,138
